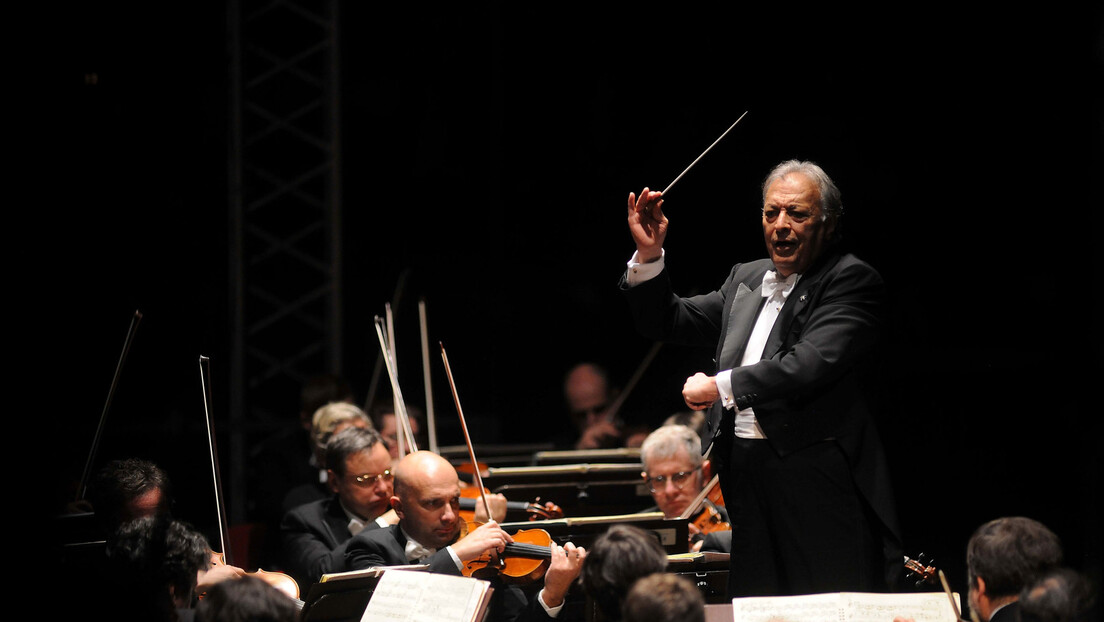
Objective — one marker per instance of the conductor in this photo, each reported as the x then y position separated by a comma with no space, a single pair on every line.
802,469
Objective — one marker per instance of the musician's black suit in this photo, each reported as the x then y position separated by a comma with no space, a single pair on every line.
313,536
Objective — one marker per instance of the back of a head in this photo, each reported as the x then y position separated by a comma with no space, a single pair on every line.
1010,553
120,482
615,561
663,597
247,599
1061,595
152,560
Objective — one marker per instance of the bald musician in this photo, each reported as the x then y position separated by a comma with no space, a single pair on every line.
426,500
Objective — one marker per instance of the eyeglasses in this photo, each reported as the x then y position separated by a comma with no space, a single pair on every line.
659,482
369,479
770,214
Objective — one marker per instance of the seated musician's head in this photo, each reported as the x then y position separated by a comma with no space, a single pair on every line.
1005,555
359,471
663,597
153,564
674,468
331,419
427,499
247,599
383,418
615,561
128,489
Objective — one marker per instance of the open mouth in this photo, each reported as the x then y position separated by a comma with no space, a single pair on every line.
785,247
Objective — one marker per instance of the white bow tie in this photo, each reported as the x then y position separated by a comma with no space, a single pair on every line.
356,525
416,552
772,284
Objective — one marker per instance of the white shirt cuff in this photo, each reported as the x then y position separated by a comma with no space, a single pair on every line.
640,272
724,387
551,611
455,559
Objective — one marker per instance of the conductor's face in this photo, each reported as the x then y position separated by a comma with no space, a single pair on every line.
794,227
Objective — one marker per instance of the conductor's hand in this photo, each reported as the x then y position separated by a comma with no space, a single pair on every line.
566,564
700,391
487,538
647,224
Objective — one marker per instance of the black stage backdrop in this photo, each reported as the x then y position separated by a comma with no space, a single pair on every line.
489,152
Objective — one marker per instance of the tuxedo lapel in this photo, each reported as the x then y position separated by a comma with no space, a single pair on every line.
336,523
741,319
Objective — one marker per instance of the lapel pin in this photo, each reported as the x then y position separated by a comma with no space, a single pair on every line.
802,298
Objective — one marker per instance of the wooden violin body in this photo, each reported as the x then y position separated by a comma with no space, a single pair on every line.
710,519
523,561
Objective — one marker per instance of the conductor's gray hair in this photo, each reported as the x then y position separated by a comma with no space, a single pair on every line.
831,204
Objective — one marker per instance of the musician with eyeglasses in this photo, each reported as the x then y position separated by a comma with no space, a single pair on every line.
674,470
359,474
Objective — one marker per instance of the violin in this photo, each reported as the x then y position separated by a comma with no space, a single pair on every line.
522,561
278,580
920,570
536,510
710,518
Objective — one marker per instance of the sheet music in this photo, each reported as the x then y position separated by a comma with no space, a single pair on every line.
921,607
424,597
810,608
844,607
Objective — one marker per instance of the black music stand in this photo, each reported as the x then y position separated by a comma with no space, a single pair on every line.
599,489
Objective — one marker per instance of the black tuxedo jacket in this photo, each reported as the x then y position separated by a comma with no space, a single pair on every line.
314,536
807,386
387,547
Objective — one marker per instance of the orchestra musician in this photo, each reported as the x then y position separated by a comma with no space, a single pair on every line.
426,500
359,476
676,473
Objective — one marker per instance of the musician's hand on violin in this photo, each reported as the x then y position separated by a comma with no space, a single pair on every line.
498,508
700,391
206,579
567,563
647,224
487,538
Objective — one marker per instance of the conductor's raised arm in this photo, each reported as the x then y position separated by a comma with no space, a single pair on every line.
647,224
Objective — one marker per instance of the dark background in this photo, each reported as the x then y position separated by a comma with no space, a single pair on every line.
488,153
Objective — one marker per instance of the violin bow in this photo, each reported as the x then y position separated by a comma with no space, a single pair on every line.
467,438
619,401
431,419
220,508
82,490
396,300
699,500
672,184
406,435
